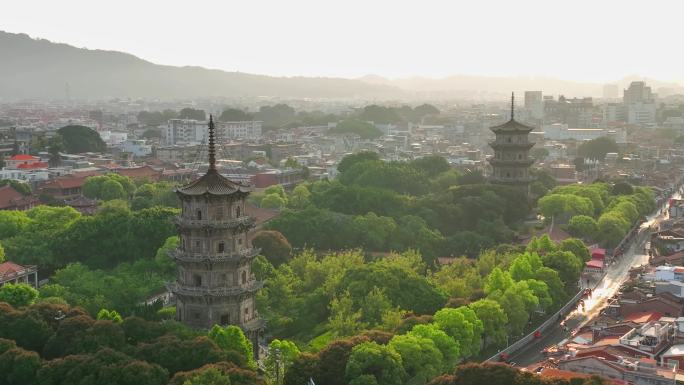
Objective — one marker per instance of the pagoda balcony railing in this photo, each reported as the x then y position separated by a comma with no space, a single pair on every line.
495,144
201,256
219,223
511,162
511,180
201,291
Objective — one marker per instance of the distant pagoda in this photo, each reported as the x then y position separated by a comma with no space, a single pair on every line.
511,162
215,284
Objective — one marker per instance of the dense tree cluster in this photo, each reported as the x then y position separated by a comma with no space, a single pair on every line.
283,116
156,118
500,374
598,211
381,206
363,129
55,344
79,139
108,187
142,195
596,149
192,113
317,299
52,237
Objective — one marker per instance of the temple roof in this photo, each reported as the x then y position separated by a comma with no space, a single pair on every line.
512,126
212,182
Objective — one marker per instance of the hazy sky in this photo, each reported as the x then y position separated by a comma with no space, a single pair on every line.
594,40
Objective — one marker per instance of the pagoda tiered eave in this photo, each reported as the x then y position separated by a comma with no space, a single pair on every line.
511,146
511,162
201,291
189,256
190,223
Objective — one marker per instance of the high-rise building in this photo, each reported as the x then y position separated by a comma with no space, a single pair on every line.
640,104
575,112
215,284
535,104
511,162
638,92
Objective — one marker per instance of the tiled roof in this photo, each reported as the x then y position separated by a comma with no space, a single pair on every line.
24,157
139,172
8,268
32,166
512,126
643,317
213,183
9,197
66,182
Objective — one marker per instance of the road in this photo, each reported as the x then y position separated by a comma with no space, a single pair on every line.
603,290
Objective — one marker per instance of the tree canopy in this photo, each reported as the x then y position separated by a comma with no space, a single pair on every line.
78,139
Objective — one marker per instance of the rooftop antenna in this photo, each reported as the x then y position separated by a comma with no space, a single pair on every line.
512,105
212,149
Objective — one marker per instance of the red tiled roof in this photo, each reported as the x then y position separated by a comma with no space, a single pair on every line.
66,182
598,253
595,263
9,197
32,166
7,268
139,172
24,157
644,316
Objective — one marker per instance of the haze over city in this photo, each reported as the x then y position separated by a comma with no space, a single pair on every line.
589,41
341,192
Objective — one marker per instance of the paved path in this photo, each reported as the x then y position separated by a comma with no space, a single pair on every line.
605,289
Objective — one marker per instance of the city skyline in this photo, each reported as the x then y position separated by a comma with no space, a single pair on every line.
354,39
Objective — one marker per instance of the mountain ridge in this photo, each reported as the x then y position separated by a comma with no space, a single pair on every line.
34,68
38,68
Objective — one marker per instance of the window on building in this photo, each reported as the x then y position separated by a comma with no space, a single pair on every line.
246,311
199,215
197,280
221,247
197,315
198,246
237,212
240,241
244,277
219,212
519,156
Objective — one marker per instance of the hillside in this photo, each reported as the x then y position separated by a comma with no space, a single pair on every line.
37,68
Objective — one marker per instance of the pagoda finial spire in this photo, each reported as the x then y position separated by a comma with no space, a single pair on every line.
512,105
212,149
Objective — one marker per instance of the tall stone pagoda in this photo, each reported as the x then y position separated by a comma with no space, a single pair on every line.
511,161
215,284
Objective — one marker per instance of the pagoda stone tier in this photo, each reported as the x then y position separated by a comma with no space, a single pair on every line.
215,284
511,161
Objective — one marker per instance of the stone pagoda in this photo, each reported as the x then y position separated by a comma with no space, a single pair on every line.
511,161
215,284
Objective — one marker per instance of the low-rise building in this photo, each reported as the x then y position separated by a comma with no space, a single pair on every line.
137,147
11,199
11,272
